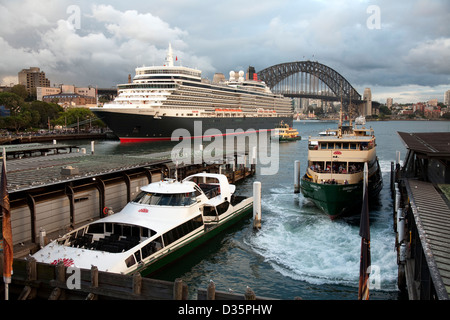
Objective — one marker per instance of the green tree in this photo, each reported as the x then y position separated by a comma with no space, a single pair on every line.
385,110
20,90
73,116
46,111
11,101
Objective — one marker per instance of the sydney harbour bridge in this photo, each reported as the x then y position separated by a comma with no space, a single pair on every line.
311,79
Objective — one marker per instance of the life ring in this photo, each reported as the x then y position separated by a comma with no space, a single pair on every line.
105,211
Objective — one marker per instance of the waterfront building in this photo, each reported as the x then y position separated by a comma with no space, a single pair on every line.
67,100
68,95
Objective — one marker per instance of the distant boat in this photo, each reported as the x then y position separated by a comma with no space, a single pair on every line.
361,120
284,132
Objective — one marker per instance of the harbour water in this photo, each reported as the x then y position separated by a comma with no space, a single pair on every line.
299,251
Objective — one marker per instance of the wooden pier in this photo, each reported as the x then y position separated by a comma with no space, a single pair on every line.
422,216
40,281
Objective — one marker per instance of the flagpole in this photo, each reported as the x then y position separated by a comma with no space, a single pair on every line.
6,226
364,232
5,279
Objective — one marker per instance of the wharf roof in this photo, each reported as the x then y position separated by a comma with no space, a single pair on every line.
432,217
34,172
433,144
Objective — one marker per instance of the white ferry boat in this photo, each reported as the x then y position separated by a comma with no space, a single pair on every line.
164,222
161,99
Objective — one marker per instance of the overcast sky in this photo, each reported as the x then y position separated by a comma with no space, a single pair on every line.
399,49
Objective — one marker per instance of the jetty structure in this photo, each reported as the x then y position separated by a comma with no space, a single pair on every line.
421,192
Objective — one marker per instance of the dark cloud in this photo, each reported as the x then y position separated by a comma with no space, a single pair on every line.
410,48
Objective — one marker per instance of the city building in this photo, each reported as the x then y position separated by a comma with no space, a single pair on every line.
67,100
447,98
433,102
68,95
32,78
389,102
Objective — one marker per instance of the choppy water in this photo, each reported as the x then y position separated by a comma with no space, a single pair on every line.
299,252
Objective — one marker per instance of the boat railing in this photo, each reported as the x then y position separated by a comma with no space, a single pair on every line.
334,171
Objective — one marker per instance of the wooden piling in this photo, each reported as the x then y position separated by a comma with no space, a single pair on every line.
257,205
211,291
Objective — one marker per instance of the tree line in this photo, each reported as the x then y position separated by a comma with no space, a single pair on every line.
32,115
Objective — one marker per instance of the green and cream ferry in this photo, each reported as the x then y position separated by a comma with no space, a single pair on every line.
164,222
334,178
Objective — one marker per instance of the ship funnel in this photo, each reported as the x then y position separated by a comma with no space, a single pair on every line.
169,57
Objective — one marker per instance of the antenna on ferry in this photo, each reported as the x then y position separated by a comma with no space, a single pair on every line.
169,57
340,115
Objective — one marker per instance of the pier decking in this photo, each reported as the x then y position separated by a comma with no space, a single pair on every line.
422,216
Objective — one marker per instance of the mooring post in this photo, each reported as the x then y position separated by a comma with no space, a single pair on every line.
211,291
297,176
178,289
249,294
92,147
257,205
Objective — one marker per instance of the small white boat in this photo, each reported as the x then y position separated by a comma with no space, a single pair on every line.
361,120
164,222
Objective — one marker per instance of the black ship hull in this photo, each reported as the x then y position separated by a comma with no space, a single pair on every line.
140,128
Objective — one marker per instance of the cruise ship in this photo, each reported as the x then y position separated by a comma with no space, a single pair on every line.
161,99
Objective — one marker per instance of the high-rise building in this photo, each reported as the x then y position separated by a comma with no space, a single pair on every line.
33,78
447,98
389,102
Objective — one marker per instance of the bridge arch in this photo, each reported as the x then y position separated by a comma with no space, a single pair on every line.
338,85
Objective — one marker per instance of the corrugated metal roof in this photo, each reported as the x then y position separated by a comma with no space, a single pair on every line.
35,172
432,216
430,143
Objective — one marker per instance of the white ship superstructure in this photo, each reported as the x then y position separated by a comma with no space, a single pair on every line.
169,92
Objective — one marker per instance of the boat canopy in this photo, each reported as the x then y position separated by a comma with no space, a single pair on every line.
170,186
226,189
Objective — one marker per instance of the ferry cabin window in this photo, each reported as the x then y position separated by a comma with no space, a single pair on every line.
209,211
151,248
130,261
182,230
161,199
345,145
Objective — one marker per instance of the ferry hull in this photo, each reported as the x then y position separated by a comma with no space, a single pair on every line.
139,128
196,240
338,200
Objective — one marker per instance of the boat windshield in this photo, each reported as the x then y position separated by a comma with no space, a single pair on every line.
165,199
